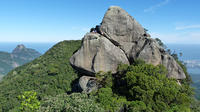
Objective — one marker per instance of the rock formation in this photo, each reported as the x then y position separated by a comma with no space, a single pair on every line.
123,41
88,84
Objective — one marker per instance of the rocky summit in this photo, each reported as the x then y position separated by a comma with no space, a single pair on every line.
121,40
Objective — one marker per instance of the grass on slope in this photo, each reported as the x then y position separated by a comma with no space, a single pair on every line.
48,75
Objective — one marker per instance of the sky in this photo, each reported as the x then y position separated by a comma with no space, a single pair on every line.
173,21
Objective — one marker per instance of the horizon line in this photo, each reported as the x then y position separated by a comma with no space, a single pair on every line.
70,40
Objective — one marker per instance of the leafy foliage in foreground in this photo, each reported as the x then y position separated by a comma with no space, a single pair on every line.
29,101
48,75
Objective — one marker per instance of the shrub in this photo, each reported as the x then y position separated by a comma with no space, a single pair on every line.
137,106
75,102
143,88
29,101
109,100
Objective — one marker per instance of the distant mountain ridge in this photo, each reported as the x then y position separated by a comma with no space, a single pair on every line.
19,56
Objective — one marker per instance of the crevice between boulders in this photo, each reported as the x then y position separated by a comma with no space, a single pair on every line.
93,62
145,43
115,43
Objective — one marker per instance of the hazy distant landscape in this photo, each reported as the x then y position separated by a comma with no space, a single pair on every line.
20,55
40,47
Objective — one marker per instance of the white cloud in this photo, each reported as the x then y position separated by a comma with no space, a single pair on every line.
178,38
188,27
195,34
154,7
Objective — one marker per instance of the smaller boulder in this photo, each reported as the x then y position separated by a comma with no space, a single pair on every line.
88,84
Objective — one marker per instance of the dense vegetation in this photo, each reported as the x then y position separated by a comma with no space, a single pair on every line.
46,84
48,75
136,88
144,88
75,102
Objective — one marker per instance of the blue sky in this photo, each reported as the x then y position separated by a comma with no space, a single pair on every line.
173,21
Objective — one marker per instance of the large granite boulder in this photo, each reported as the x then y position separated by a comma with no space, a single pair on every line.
120,26
122,40
96,54
152,53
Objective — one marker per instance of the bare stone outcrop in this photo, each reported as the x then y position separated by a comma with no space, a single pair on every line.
120,26
123,40
96,54
88,84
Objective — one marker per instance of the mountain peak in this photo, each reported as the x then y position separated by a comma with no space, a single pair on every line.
19,48
118,23
26,54
19,56
115,7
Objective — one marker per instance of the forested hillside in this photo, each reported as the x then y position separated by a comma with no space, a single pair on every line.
48,75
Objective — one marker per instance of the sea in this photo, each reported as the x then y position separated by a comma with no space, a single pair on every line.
40,47
189,51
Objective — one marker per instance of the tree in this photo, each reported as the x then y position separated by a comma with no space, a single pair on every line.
161,43
146,30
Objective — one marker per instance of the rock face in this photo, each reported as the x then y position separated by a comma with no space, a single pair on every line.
96,54
123,40
120,26
88,84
